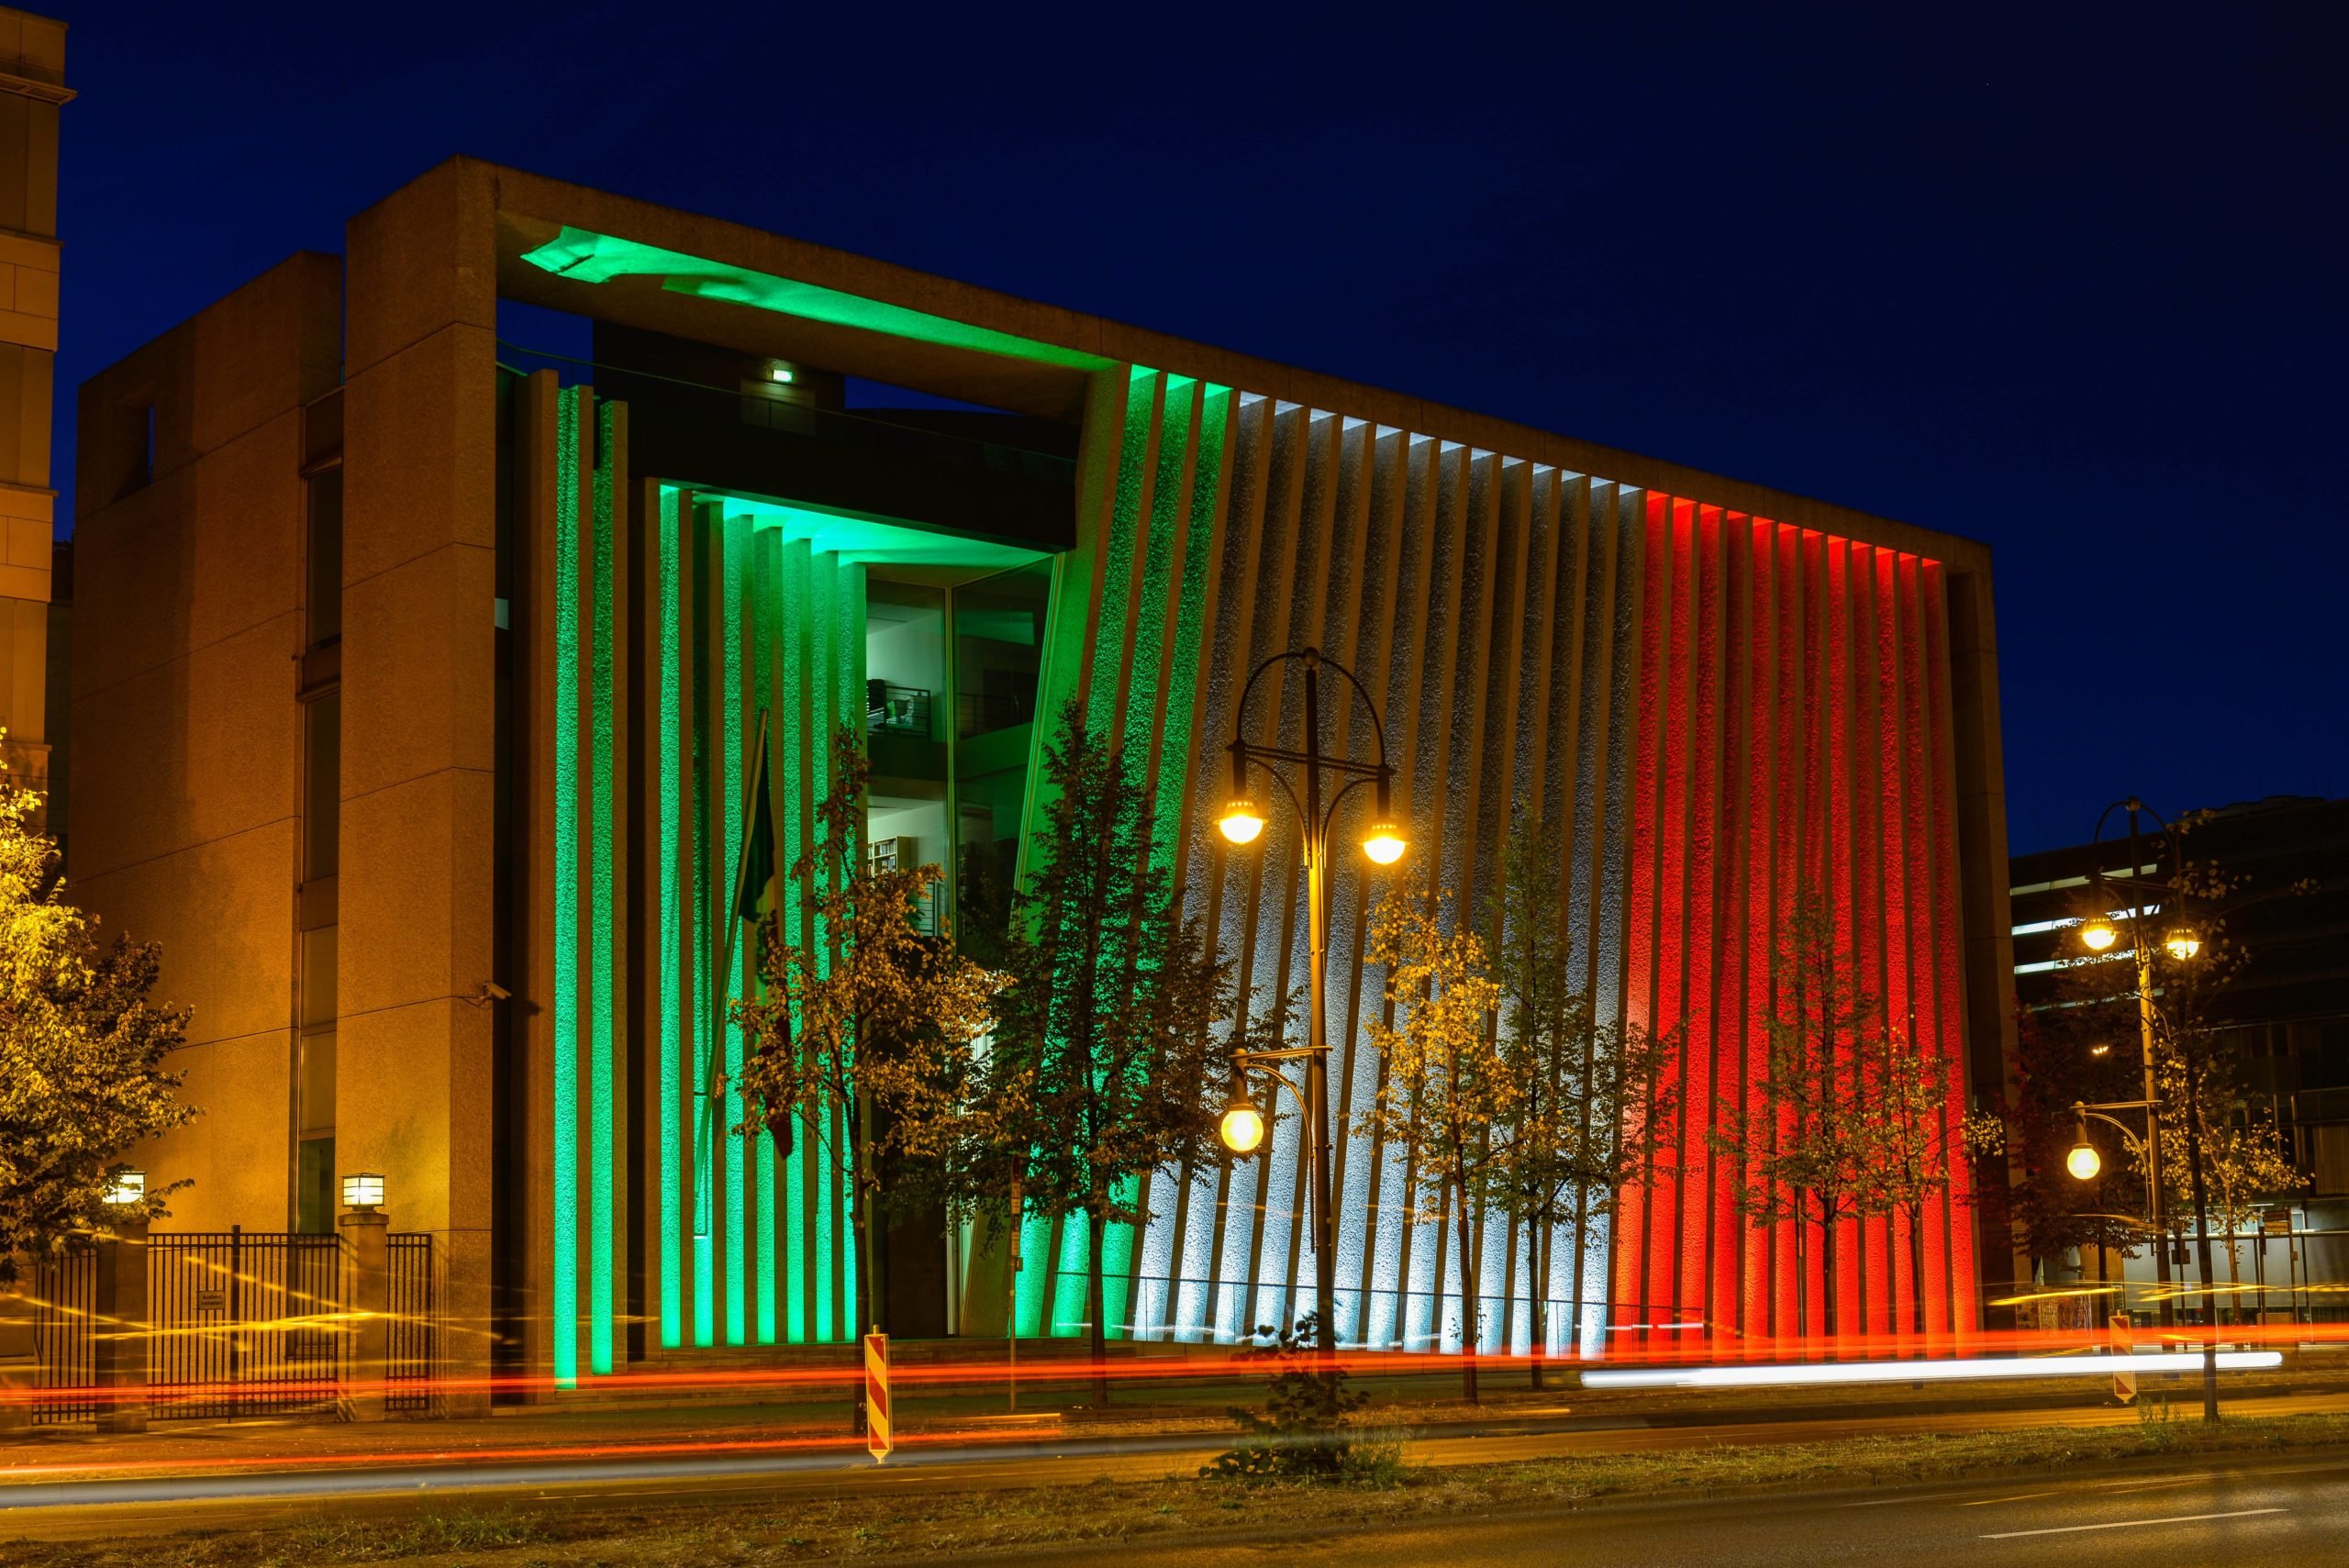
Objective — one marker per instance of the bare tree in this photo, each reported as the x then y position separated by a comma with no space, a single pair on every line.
1595,1106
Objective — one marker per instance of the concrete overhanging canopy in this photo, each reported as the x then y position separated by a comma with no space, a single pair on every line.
637,284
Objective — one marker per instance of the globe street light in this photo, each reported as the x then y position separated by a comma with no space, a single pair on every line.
1242,823
1242,1127
2084,1162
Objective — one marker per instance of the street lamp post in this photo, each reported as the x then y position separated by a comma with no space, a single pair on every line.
2183,942
1242,823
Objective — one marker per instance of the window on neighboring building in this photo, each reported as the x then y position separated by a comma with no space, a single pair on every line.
320,692
326,556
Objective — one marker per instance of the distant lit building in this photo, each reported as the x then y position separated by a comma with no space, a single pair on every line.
417,675
2286,1015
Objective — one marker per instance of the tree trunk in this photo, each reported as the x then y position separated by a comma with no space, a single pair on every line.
1802,1293
1094,1310
1468,1302
1917,1267
1582,1235
1827,1284
1540,1261
860,1226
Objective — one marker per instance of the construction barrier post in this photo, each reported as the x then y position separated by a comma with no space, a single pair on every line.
877,1395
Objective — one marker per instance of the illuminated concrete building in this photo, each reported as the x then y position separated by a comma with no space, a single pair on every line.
418,687
32,90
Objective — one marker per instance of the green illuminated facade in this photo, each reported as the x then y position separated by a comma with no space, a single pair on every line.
599,615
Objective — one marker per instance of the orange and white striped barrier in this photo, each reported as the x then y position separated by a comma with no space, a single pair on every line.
876,1396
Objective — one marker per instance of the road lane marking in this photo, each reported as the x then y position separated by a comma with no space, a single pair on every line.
2018,1497
2131,1524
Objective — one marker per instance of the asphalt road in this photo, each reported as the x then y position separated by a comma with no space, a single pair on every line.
2276,1517
36,1508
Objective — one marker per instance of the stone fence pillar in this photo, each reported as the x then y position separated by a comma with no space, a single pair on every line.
367,1244
123,1328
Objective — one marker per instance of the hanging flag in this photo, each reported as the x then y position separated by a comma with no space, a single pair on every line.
754,870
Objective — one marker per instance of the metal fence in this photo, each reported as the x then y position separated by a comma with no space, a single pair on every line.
409,1364
64,1292
244,1324
239,1323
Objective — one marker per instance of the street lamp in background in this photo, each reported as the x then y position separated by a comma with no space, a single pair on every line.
2145,892
1242,823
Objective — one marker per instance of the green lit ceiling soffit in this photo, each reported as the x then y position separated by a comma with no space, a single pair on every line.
868,542
599,257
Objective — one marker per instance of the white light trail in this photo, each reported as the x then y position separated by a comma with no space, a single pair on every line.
1918,1371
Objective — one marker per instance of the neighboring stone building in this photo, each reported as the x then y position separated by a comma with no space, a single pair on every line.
2287,1013
417,688
32,89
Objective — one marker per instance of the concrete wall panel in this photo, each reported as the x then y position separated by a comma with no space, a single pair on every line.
432,706
426,928
223,913
197,750
201,556
240,1171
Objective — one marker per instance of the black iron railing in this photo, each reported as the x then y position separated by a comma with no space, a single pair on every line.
896,710
409,1366
245,1324
64,1291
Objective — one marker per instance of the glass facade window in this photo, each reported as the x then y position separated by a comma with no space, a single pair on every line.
998,648
322,784
998,655
317,1004
325,595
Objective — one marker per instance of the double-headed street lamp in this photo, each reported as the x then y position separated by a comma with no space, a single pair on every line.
1242,823
2182,940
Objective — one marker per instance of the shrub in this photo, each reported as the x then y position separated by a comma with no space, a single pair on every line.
1302,1435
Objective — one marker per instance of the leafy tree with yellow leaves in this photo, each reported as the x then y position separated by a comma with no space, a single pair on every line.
863,1038
1448,1092
81,1052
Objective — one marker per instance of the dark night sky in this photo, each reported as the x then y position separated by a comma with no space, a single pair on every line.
2071,284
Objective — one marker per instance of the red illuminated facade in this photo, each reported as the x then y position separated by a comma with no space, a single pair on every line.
1795,730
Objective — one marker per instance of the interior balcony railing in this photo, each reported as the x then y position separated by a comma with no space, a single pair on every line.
892,710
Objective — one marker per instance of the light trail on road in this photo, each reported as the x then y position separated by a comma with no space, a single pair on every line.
613,1475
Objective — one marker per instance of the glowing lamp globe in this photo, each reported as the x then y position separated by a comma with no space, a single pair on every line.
1385,843
129,1188
1242,1127
1240,822
2098,935
364,1190
2084,1161
2183,942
